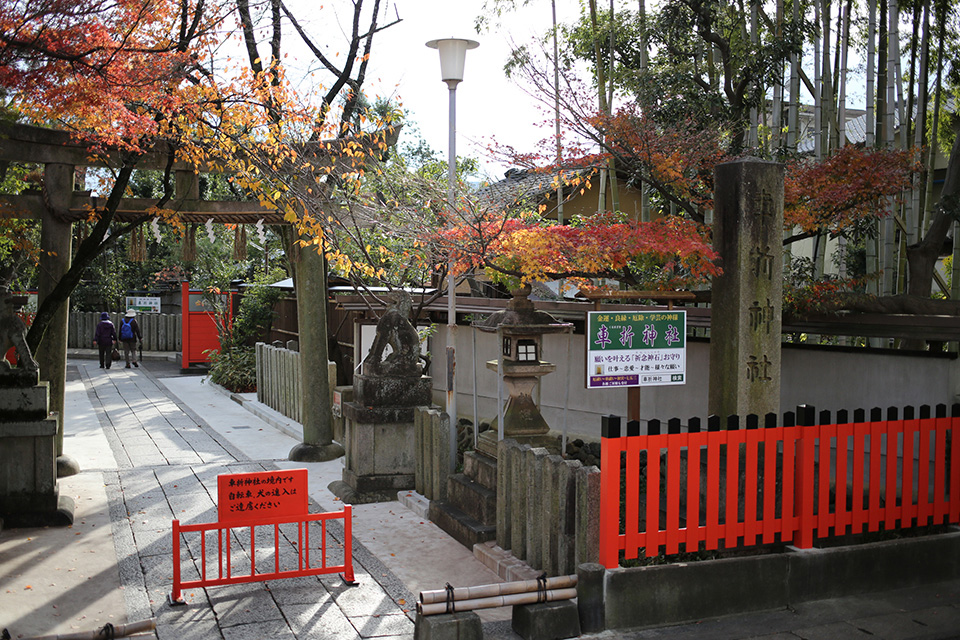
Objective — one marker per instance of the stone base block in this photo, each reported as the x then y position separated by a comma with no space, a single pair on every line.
358,489
474,499
351,495
449,626
464,529
547,620
24,403
375,449
378,482
481,468
391,391
17,377
487,442
58,514
503,563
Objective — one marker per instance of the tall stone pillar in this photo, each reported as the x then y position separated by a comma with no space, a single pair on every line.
55,246
747,299
311,285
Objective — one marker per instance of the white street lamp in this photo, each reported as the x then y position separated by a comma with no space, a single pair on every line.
453,54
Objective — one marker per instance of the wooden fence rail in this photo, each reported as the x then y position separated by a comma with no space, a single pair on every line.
161,331
278,380
791,481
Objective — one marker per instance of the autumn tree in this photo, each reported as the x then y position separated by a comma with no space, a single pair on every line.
126,74
711,78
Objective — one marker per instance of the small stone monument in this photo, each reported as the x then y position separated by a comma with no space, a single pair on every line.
748,297
469,514
29,495
378,424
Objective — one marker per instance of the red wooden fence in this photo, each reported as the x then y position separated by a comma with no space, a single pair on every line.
800,480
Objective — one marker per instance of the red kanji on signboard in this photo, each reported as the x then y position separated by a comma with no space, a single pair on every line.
266,494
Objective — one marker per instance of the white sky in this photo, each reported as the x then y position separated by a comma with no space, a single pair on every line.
488,104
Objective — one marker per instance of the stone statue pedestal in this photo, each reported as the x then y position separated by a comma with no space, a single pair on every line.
379,438
29,495
522,420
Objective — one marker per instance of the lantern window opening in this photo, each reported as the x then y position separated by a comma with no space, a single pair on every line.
527,350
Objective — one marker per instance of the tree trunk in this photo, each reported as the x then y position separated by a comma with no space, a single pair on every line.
793,111
932,156
922,257
871,64
556,106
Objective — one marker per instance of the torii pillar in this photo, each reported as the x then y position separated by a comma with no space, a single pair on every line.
55,246
310,281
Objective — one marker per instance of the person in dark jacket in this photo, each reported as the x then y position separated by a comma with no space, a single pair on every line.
129,336
104,337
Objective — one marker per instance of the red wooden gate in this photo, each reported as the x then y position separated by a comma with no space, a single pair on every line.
199,335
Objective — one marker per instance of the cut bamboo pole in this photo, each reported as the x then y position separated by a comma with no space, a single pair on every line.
498,589
119,631
498,601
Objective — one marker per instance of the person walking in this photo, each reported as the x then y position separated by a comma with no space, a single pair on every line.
129,335
103,338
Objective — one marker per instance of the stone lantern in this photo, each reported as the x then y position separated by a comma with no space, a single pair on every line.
520,329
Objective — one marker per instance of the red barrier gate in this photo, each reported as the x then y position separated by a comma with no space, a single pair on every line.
799,481
225,573
263,499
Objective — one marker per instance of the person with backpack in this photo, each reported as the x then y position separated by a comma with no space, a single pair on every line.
103,338
129,335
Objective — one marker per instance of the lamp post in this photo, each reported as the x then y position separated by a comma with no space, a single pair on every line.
453,53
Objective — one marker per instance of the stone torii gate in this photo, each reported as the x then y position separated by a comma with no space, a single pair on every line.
59,205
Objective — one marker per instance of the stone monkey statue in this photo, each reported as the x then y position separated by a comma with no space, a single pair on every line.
394,329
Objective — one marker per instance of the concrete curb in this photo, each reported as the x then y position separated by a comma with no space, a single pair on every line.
684,592
270,416
93,354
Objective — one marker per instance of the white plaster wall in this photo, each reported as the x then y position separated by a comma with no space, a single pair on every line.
825,378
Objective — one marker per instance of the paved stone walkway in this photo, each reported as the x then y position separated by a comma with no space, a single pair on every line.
168,459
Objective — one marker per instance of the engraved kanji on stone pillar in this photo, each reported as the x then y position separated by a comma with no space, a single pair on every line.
748,297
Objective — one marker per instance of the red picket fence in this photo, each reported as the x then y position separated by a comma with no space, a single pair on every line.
225,573
800,480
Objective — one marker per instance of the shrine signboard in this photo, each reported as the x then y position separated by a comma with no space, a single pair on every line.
636,348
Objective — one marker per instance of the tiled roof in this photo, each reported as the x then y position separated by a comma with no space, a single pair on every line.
519,187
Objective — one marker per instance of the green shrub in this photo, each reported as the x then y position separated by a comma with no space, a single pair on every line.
235,368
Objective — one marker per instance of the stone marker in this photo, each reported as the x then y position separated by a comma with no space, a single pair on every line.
590,603
747,299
